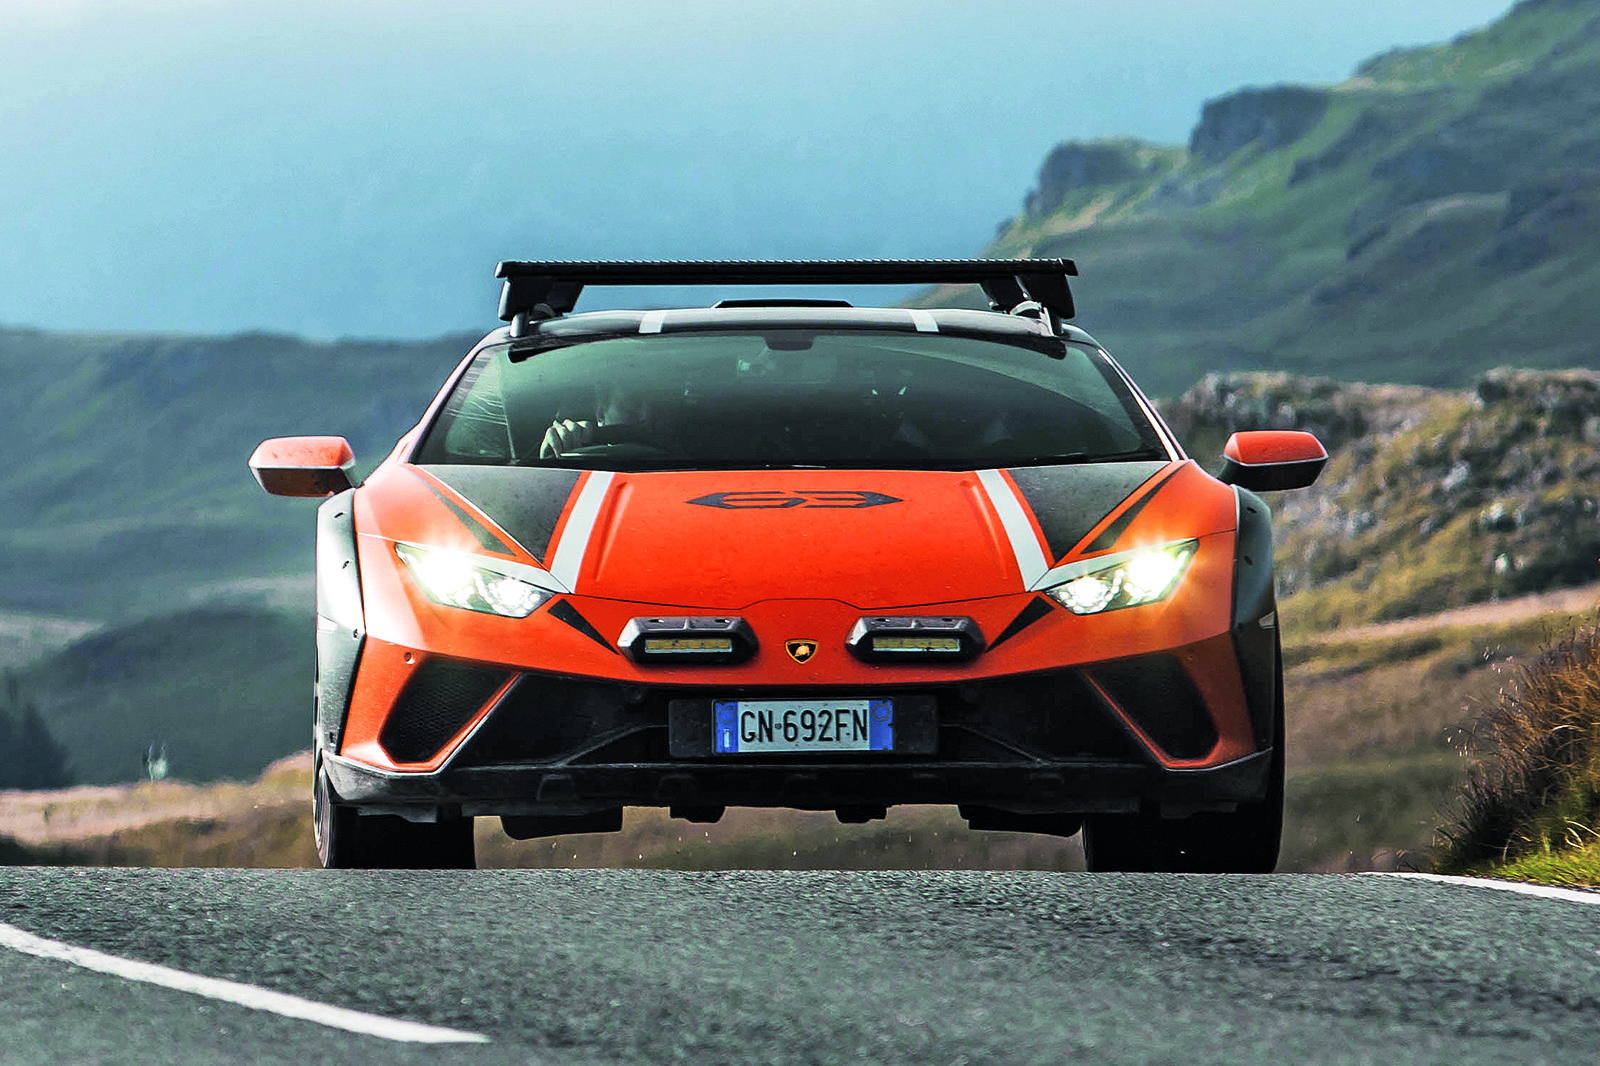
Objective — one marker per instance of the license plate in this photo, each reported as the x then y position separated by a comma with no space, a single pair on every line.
803,726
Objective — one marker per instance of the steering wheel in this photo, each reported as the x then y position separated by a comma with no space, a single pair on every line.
616,441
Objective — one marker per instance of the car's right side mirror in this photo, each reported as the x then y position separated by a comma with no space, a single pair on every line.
1272,459
303,466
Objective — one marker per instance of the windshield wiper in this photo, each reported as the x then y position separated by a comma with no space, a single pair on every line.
1071,458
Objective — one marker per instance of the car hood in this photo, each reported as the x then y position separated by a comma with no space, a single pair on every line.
721,540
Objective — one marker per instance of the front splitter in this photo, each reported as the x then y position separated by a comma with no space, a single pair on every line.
1079,787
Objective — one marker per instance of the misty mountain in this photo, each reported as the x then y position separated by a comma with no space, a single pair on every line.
132,493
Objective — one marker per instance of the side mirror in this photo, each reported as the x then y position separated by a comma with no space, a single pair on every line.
303,466
1269,460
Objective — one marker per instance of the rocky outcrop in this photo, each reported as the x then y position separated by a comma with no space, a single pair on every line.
1337,412
1433,498
1077,165
1266,118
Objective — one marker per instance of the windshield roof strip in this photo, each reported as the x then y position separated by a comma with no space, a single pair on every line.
973,325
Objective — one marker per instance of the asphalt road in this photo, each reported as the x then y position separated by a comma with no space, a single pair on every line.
601,966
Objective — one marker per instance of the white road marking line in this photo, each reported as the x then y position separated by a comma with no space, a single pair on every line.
232,992
1571,895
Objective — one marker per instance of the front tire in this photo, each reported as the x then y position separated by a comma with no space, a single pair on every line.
348,840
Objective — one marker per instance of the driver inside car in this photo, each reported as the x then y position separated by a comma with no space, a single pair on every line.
619,415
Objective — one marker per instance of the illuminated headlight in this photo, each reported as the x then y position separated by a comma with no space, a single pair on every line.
455,580
1131,579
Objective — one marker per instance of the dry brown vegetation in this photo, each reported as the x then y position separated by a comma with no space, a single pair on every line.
1377,717
1535,786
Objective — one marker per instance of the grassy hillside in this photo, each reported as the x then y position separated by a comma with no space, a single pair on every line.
1435,215
132,493
227,690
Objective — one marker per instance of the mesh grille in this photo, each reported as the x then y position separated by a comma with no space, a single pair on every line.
1157,693
440,699
547,718
1048,716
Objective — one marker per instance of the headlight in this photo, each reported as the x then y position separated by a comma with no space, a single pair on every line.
1128,580
455,580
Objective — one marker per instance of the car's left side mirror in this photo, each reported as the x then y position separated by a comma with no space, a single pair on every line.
1270,460
303,466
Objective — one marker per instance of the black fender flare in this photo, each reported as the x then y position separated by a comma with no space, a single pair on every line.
341,618
1255,615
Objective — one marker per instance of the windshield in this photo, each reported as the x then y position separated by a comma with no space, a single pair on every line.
789,398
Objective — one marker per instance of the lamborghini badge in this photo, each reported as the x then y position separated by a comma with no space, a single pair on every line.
800,650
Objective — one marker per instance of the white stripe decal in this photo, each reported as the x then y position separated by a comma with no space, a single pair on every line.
652,321
568,557
922,320
1571,895
1024,545
250,996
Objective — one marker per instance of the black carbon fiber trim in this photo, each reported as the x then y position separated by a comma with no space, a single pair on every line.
437,703
1255,600
1037,608
1069,501
526,502
485,536
1111,534
565,612
547,719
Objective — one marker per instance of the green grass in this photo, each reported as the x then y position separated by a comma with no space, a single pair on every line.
136,489
1577,867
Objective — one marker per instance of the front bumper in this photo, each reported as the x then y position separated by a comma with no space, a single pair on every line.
1108,737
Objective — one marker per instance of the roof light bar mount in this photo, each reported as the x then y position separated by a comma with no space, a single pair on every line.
548,289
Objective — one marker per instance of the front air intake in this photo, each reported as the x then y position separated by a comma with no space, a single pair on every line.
1156,692
437,703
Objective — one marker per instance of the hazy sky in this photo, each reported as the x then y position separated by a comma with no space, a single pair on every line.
356,168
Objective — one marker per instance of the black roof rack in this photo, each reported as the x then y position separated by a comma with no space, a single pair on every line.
548,289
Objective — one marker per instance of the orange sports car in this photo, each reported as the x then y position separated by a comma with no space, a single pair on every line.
791,552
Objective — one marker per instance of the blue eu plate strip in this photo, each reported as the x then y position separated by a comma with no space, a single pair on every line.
880,726
727,728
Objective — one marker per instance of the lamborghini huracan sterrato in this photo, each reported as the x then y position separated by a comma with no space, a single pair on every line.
789,552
